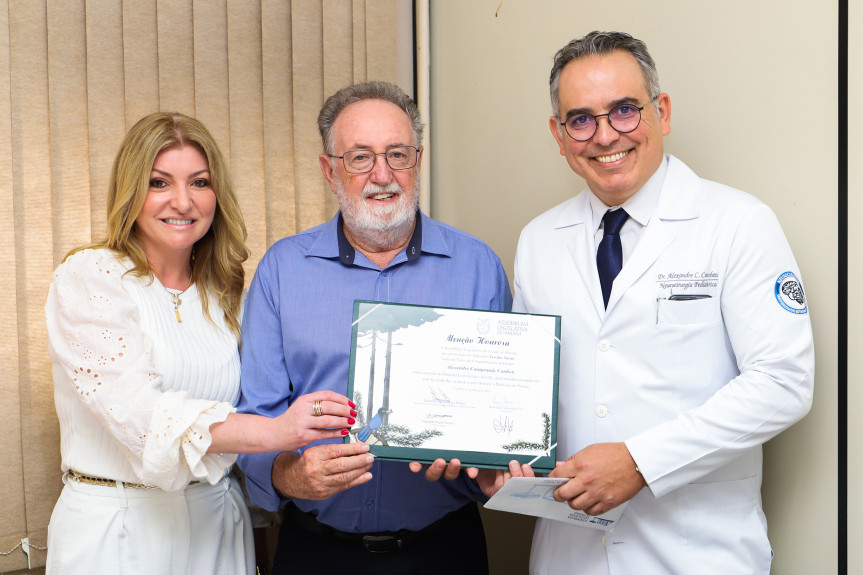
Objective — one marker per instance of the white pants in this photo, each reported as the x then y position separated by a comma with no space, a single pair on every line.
201,529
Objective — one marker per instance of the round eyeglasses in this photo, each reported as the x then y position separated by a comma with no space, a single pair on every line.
362,161
623,118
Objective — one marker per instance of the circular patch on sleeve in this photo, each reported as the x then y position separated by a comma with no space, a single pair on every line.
789,293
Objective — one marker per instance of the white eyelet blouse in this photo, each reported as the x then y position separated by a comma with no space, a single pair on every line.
135,390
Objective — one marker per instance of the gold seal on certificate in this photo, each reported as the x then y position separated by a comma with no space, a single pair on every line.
434,382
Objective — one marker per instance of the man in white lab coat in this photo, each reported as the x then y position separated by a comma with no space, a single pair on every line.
690,356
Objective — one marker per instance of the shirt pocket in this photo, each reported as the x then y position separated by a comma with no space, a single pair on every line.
687,312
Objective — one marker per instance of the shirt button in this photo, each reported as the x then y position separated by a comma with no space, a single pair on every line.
604,345
370,502
601,411
384,274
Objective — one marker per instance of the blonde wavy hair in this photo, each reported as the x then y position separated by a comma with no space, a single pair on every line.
217,258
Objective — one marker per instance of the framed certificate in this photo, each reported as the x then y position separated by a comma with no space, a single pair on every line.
434,382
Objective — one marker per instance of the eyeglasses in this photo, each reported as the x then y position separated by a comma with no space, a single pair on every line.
362,161
623,118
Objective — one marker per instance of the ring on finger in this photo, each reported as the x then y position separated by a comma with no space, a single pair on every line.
318,408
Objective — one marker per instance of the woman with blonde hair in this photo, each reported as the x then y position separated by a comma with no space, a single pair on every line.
144,333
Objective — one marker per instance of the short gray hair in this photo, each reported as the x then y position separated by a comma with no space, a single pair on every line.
377,90
598,43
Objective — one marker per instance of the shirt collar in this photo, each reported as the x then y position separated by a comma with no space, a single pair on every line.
641,205
347,252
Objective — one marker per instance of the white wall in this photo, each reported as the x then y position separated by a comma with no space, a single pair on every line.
753,87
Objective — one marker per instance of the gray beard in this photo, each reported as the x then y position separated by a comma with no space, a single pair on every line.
380,227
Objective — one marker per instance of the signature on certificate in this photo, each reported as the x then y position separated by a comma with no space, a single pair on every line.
438,396
503,424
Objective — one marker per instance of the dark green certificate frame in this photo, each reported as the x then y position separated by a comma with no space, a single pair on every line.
438,382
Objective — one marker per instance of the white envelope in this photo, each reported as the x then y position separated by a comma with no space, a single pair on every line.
533,496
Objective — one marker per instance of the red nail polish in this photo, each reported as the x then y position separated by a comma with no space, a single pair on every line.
351,421
352,404
344,432
353,413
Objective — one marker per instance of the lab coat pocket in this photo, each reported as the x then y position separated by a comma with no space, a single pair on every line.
726,515
686,312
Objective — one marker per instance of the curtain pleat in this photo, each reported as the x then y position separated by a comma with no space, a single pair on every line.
246,107
175,44
211,70
32,195
14,524
68,130
106,119
380,48
359,41
278,95
74,76
338,58
140,61
307,74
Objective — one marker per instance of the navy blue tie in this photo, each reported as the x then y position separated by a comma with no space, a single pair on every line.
609,256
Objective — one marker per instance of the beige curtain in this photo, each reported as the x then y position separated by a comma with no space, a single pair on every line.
74,76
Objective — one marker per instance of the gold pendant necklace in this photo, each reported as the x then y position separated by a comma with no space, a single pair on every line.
175,299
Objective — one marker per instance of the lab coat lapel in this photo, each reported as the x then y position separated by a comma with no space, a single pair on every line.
679,199
582,248
654,240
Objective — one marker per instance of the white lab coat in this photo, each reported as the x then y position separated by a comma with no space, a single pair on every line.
693,387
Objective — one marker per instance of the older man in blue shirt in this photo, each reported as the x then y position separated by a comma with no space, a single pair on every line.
344,511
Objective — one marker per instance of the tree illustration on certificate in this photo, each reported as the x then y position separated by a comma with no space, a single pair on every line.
375,329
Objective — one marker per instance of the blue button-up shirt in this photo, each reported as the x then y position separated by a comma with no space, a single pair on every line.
297,339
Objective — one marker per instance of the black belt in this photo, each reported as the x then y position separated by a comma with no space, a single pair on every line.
377,542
